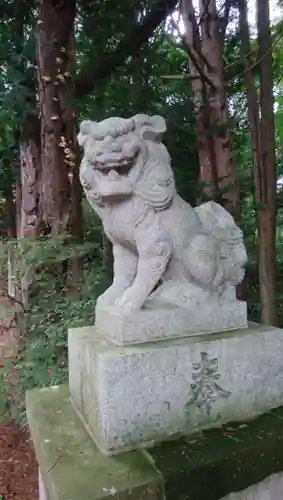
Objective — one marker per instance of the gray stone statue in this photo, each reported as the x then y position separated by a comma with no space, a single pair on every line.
164,250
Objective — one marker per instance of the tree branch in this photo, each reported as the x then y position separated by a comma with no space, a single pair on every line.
224,20
191,44
129,46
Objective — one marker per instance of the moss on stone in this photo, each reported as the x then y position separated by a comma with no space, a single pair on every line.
71,466
206,467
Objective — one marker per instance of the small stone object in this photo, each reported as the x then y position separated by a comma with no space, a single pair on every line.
270,488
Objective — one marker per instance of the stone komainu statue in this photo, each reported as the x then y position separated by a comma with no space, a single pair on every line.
192,254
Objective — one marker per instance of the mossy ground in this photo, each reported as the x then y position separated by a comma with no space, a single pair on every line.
219,461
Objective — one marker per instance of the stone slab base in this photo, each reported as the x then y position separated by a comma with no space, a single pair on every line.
206,467
270,488
134,396
41,488
149,324
71,467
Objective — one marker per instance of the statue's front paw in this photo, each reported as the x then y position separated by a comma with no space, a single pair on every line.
102,301
107,299
128,302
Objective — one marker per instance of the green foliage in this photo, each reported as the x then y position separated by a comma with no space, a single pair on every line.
140,87
42,360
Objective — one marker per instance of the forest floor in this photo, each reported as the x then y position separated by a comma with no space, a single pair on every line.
18,467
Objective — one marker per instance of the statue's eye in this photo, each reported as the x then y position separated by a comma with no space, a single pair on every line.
86,185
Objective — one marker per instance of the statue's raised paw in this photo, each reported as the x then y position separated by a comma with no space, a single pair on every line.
129,302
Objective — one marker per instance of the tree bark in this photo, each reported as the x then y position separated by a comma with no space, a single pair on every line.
18,196
26,205
207,160
30,162
9,214
30,194
55,56
212,50
13,278
261,120
266,183
204,41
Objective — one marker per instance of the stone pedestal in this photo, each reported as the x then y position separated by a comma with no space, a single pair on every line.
71,467
160,323
205,467
137,395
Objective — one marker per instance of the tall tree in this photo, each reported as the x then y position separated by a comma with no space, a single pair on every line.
261,121
55,60
192,41
266,173
204,42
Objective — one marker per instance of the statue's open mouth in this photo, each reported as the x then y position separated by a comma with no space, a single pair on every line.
121,165
122,169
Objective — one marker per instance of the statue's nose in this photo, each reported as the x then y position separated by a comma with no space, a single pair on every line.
116,148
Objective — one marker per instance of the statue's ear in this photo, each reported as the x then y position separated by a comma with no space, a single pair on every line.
86,128
152,128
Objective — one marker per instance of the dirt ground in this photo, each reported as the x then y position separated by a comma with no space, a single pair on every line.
18,467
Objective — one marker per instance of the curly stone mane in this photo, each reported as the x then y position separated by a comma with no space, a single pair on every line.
156,186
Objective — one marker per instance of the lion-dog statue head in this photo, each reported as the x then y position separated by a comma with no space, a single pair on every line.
125,157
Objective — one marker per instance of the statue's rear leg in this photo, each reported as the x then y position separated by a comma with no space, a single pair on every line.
201,259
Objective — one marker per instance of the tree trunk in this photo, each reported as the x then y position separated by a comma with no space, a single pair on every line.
261,122
251,92
30,179
212,51
9,214
27,208
207,160
13,279
55,57
18,196
30,213
204,42
266,192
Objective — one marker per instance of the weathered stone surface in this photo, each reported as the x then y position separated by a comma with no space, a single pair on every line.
71,466
133,395
41,488
205,467
195,255
156,323
270,488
